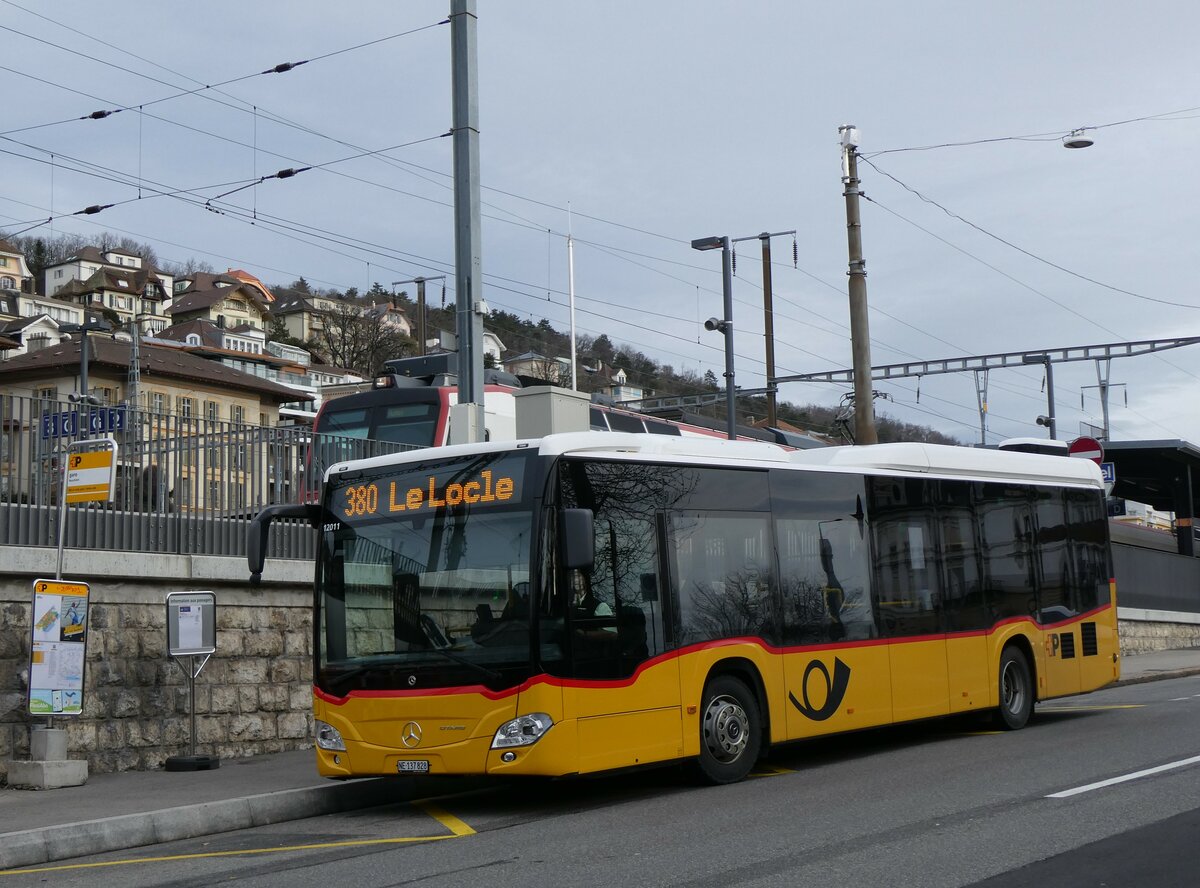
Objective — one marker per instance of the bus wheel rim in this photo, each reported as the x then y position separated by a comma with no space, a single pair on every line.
726,729
1014,692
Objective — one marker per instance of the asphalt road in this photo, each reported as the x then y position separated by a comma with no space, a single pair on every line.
938,804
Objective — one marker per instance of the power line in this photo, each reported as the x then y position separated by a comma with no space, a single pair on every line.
280,68
1032,137
1022,250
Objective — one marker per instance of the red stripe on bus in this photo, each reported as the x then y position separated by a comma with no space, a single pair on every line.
612,684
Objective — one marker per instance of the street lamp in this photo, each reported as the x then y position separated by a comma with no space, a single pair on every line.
83,329
1078,138
726,325
1048,419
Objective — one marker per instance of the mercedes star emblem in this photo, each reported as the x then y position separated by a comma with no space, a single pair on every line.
410,736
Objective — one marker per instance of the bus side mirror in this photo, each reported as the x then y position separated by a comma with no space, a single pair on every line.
260,529
576,537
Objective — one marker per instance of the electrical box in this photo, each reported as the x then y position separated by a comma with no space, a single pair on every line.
546,410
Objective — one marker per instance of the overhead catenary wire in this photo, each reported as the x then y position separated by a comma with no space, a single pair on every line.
355,246
1085,317
281,68
1025,252
642,229
1033,137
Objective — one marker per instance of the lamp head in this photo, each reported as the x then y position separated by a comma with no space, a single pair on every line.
708,243
1078,139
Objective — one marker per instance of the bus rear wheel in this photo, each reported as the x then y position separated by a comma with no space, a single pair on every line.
1016,690
730,730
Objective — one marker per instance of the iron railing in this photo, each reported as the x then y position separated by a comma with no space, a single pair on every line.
184,484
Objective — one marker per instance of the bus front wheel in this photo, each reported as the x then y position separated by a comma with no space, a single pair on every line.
730,730
1016,690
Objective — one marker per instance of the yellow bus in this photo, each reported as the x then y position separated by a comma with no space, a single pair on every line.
596,601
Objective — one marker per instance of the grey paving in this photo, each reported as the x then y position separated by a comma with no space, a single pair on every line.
112,812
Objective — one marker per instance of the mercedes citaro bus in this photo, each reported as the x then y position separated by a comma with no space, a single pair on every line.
594,601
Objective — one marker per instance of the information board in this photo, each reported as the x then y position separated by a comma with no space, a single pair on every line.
91,470
191,623
58,654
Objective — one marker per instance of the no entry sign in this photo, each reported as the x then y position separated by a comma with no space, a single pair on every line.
1087,448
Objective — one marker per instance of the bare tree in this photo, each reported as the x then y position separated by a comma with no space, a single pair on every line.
355,338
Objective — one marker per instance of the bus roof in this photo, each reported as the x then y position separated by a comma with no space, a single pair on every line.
927,459
595,443
943,459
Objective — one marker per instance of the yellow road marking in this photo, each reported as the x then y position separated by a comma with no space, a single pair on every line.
446,819
457,828
770,771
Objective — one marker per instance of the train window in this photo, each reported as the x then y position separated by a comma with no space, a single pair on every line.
662,428
623,422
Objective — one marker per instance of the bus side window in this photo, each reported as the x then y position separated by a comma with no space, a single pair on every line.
964,606
1055,601
1087,526
907,579
722,567
1006,542
823,558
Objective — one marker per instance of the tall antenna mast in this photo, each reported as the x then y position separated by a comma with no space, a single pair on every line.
134,380
571,299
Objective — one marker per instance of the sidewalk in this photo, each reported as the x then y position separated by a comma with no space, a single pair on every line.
112,812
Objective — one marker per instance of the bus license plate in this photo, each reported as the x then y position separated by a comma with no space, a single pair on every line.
413,766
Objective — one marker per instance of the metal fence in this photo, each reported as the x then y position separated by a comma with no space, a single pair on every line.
185,485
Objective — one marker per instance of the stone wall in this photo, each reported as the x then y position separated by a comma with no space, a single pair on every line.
253,696
1156,631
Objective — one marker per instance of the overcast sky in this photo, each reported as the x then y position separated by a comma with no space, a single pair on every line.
656,123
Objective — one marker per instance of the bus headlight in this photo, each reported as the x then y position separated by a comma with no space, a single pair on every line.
328,737
524,730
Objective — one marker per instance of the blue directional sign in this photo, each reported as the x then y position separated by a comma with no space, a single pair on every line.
69,423
1109,471
106,419
60,425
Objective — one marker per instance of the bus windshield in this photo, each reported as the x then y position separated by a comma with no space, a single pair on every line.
424,576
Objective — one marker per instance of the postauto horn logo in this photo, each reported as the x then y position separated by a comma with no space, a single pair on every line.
835,689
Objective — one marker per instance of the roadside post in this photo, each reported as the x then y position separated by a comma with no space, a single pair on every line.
192,635
89,476
58,628
57,662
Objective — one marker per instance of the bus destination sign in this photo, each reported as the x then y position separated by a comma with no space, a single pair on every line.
431,492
